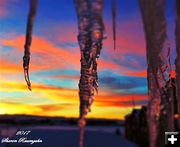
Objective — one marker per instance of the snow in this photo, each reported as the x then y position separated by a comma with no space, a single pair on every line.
54,136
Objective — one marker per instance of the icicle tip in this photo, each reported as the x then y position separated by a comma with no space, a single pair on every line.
26,76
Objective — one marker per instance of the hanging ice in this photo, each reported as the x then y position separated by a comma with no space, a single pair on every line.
114,21
177,62
155,33
29,29
91,28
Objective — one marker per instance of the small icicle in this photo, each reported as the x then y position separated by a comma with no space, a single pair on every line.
26,73
82,124
29,29
114,22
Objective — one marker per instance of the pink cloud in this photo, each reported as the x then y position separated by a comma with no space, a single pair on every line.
3,9
130,38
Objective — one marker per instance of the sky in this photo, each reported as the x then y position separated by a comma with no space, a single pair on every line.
55,60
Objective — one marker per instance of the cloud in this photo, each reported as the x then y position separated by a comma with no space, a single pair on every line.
7,66
123,84
133,62
130,37
57,101
55,107
124,104
16,108
54,72
45,55
137,73
3,9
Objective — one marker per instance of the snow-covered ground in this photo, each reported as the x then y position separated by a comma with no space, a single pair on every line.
54,136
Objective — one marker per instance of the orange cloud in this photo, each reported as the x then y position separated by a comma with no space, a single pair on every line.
9,67
108,65
45,55
109,112
20,86
15,108
65,102
120,98
137,73
63,110
66,77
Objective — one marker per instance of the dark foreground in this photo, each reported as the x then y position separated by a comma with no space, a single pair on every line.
63,137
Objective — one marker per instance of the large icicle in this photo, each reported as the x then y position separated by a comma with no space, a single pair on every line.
29,29
114,21
91,27
177,62
155,32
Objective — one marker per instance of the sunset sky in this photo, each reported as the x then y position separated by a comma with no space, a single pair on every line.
55,60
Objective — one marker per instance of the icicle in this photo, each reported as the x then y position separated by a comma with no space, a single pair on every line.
177,62
29,29
169,59
155,32
91,28
114,21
